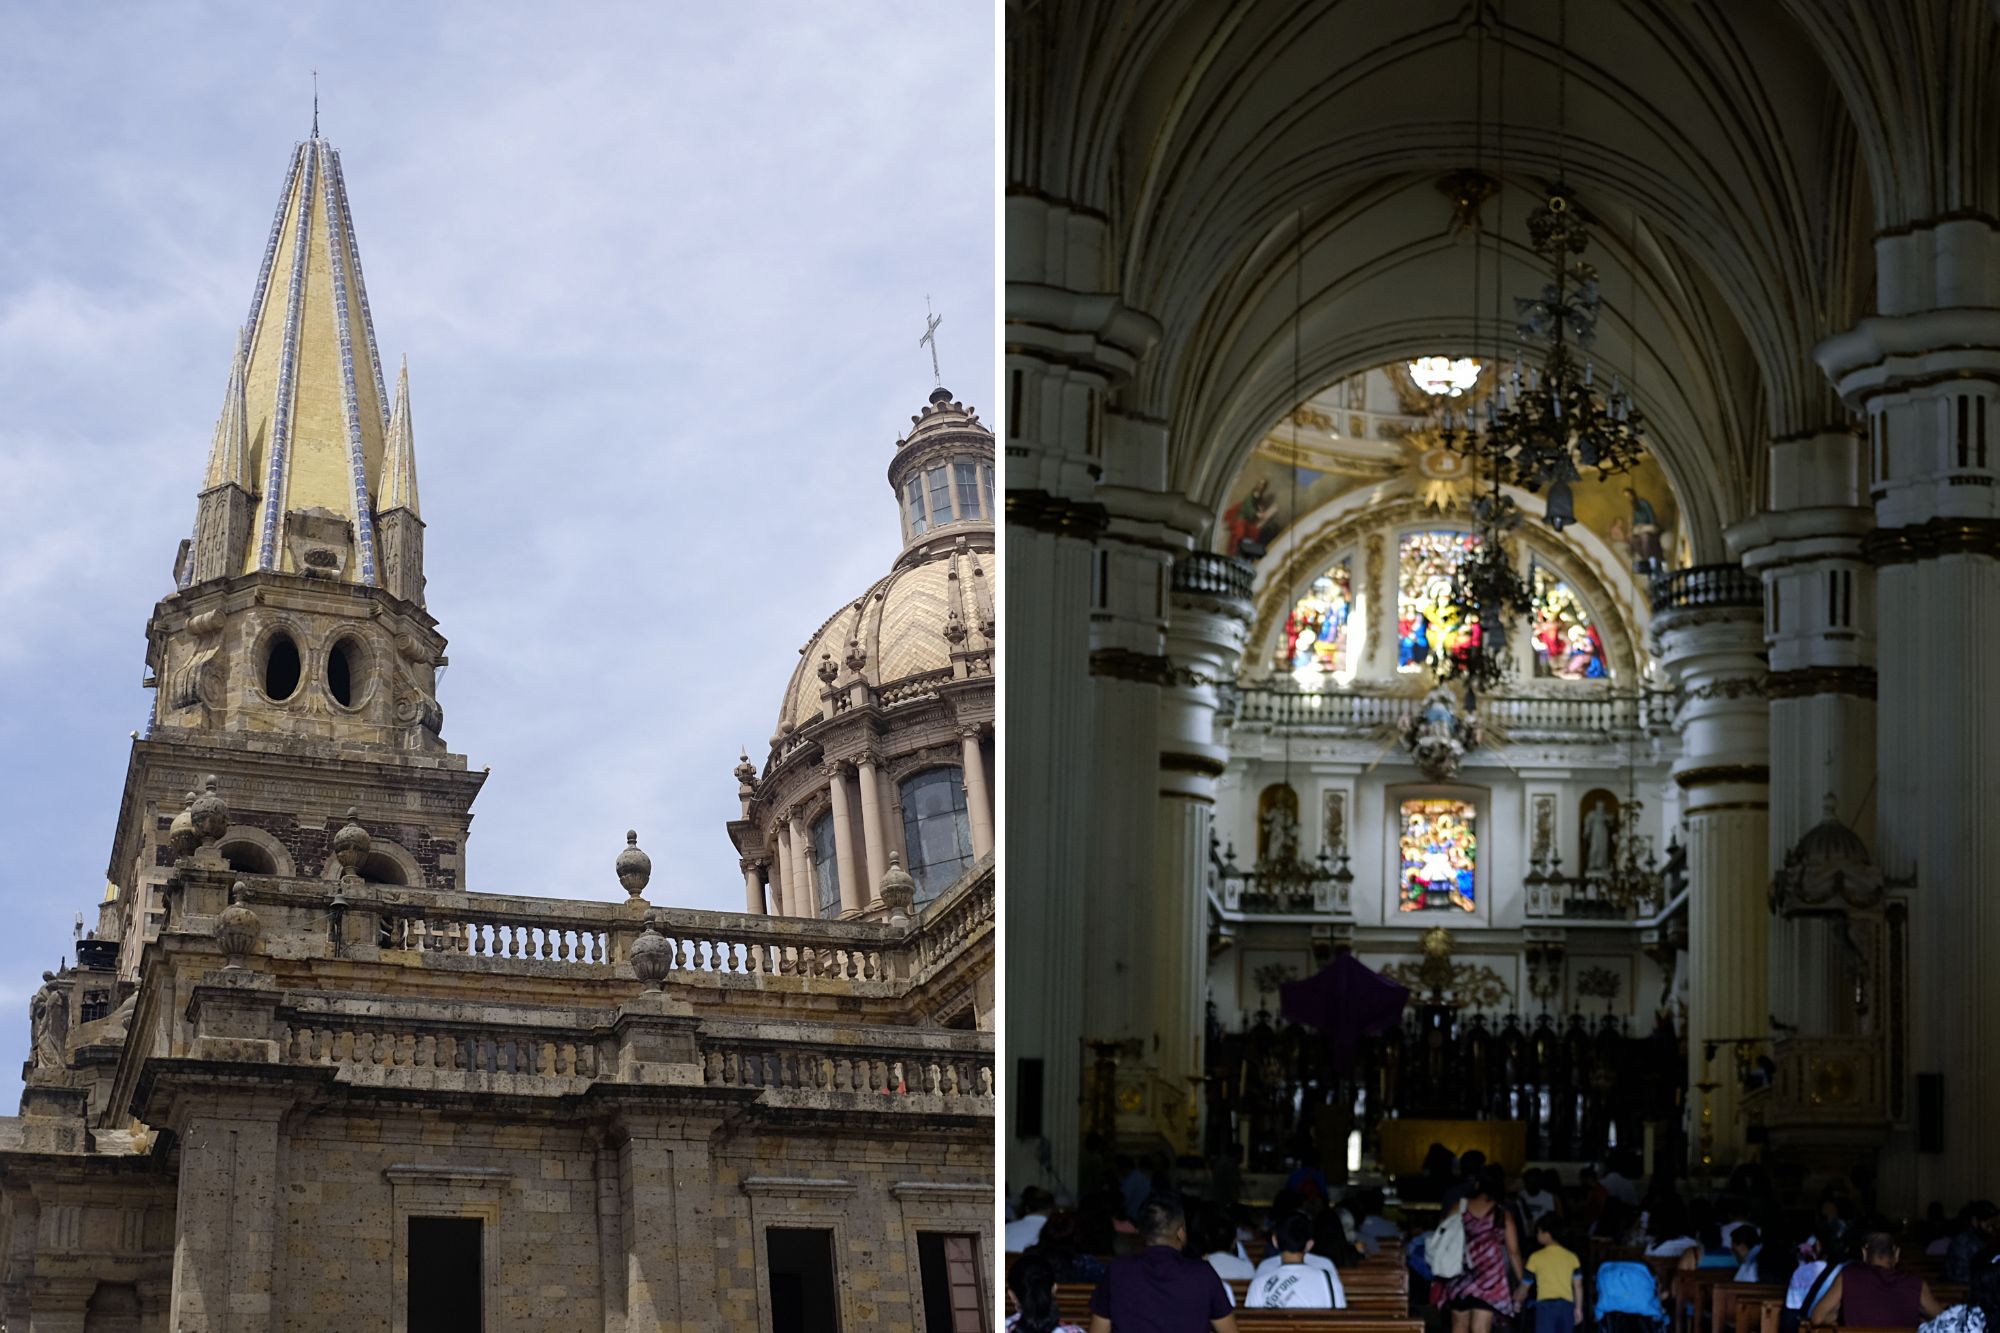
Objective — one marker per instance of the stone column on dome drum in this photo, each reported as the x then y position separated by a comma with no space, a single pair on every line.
1068,342
1710,624
1205,640
805,899
1925,371
870,782
853,893
978,803
1819,629
753,887
781,872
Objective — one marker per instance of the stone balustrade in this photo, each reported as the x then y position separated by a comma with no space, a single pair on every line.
1702,586
789,1067
502,931
335,1041
1581,714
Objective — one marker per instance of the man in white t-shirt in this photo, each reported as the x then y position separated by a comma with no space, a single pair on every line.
1294,1278
1036,1204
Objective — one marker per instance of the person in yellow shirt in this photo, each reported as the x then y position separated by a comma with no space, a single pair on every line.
1558,1282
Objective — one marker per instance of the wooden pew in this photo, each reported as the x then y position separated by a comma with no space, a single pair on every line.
1726,1296
1366,1312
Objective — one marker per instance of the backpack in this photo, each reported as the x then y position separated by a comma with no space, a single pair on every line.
1444,1248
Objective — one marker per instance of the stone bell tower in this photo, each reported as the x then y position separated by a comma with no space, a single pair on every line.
295,660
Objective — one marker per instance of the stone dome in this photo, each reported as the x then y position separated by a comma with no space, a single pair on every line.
898,635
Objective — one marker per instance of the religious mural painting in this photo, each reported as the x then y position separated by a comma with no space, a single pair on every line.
1566,643
1440,851
1429,627
1317,633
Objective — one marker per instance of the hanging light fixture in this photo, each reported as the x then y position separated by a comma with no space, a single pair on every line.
1636,877
1486,588
1546,422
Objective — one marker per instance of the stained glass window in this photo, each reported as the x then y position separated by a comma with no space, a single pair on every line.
936,829
1439,854
1567,646
1428,627
825,866
1316,641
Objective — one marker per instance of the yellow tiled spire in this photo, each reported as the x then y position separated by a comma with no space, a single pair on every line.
316,414
399,461
229,455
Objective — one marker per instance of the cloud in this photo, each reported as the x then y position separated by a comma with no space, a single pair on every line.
660,273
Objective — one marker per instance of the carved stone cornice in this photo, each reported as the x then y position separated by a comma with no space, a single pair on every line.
1716,775
1043,512
1806,682
1729,687
1180,761
1929,541
1124,664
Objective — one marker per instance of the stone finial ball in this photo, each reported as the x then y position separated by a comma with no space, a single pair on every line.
652,956
897,890
236,931
351,842
635,868
181,835
210,812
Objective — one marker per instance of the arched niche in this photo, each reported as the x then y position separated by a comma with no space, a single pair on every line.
252,851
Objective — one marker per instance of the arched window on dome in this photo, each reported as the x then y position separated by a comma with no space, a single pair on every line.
1428,627
826,866
936,829
1566,642
914,521
1318,635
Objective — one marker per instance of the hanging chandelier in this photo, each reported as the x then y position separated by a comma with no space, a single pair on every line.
1636,878
1489,592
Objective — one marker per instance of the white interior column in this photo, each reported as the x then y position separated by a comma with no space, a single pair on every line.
1819,630
853,893
978,804
1067,343
1710,628
1211,612
1925,370
871,824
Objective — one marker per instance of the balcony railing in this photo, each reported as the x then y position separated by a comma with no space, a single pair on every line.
1706,586
1204,573
1576,715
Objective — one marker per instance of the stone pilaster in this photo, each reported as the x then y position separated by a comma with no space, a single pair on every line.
1068,342
1709,622
1925,371
226,1216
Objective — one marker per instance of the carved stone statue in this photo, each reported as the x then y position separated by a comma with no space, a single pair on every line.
1597,842
48,1024
1281,834
1437,737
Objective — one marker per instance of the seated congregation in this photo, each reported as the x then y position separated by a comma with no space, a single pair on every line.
1155,1251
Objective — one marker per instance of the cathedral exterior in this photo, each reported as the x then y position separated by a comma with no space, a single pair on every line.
302,1076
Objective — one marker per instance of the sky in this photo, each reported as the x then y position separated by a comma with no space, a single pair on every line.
660,272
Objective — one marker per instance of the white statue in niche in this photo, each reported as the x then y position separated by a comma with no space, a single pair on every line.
1597,842
1281,834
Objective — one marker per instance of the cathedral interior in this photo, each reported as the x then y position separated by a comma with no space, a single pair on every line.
1498,492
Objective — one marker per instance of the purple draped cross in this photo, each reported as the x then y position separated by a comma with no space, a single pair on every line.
1347,1001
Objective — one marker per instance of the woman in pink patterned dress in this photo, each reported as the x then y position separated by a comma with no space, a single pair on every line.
1485,1286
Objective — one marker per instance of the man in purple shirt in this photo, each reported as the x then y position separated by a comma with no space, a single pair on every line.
1161,1290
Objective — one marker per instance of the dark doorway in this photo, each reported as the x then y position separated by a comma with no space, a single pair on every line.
950,1269
444,1277
802,1290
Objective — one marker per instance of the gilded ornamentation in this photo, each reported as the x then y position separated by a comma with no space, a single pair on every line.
1460,985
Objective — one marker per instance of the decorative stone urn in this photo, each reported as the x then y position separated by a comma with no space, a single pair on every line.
635,868
351,843
652,956
897,891
181,835
237,930
210,813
